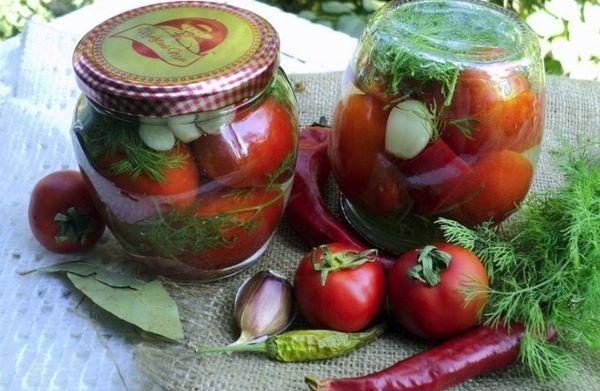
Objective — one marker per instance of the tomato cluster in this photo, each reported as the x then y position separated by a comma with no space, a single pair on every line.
342,287
212,202
476,165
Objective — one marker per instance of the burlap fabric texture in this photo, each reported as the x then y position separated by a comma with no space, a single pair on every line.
573,112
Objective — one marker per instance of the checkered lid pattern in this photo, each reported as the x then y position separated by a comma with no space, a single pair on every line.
176,58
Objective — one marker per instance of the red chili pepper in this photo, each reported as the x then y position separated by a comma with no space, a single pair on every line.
479,350
308,213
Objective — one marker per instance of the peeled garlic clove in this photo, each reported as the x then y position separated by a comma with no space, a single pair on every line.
211,124
184,127
409,127
157,137
263,306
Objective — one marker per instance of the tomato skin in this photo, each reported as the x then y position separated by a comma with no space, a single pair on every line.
503,108
247,151
350,298
357,155
180,184
499,182
436,312
241,243
55,193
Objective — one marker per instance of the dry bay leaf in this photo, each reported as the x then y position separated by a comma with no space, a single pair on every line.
146,305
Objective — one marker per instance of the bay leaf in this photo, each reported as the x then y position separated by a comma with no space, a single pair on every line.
146,305
85,269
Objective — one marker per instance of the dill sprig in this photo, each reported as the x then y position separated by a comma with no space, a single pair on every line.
284,170
180,231
407,46
544,268
104,135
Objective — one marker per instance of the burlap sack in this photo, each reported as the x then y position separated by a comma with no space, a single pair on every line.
573,110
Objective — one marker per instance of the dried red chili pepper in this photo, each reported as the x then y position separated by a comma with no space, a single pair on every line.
308,213
479,350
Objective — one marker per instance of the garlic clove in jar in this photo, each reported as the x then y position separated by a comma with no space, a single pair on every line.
263,306
210,123
157,137
184,127
409,127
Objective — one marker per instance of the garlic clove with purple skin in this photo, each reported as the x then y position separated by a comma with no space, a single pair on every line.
264,305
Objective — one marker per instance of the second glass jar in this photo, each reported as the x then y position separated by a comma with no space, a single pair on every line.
441,115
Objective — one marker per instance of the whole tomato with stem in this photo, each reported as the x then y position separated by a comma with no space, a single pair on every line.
62,216
438,290
249,151
340,287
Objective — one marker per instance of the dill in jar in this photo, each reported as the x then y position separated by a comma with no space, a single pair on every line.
413,46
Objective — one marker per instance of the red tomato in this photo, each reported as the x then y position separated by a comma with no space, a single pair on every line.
533,128
62,215
257,212
246,152
499,107
357,157
180,184
499,181
351,296
436,310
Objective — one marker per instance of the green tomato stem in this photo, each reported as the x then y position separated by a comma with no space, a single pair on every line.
430,263
73,226
330,261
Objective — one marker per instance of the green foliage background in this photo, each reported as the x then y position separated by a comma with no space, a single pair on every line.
350,16
559,22
14,13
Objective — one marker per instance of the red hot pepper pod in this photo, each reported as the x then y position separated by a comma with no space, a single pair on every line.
308,213
477,351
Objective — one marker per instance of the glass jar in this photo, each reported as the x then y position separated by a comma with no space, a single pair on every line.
186,134
441,115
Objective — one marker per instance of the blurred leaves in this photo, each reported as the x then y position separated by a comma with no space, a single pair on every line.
14,13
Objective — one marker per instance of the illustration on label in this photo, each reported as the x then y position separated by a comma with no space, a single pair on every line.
178,42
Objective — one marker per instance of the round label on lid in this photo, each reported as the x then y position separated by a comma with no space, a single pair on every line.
208,53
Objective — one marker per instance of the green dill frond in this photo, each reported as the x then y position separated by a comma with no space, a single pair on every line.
408,46
544,268
104,135
286,166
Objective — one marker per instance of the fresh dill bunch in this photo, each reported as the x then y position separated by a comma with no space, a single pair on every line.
104,135
544,267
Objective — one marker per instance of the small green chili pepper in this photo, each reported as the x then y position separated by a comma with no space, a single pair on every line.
305,345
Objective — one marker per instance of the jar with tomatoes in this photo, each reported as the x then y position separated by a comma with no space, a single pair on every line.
186,134
441,115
